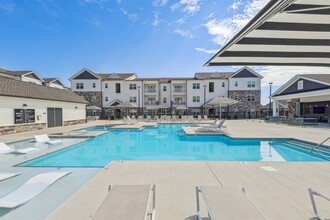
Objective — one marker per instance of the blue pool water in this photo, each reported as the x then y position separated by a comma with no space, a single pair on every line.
167,142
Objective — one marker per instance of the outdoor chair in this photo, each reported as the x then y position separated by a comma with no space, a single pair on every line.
30,189
127,202
5,149
311,195
43,138
226,203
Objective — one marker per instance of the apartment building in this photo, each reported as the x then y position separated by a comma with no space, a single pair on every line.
109,90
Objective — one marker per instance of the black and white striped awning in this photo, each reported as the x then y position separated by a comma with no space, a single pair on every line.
284,32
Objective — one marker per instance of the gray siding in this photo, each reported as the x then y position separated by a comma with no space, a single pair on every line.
308,86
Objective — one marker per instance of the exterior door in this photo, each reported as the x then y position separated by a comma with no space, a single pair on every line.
54,117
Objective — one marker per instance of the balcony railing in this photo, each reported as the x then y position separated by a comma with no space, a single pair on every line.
179,90
150,91
151,103
179,103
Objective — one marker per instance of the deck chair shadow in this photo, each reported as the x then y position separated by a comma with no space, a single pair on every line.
5,175
127,202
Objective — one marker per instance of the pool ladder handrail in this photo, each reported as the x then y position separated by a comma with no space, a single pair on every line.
106,123
317,146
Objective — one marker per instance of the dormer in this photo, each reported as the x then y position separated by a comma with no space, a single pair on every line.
54,83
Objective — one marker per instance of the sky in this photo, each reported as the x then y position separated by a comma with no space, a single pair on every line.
153,38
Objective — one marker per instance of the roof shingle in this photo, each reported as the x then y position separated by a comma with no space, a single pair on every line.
17,88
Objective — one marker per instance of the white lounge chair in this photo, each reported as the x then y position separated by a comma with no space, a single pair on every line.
313,193
4,176
43,138
216,128
127,202
226,203
214,124
5,149
30,189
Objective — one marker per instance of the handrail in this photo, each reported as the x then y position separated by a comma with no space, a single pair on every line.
314,148
106,123
311,193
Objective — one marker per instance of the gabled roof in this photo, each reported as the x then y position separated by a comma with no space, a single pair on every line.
120,76
83,71
21,73
224,75
17,88
52,80
318,78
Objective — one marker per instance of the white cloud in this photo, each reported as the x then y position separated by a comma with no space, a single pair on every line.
159,3
236,4
206,50
184,33
279,75
131,16
156,20
223,30
187,6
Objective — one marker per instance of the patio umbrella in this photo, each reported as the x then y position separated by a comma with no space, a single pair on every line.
93,108
181,107
221,100
126,105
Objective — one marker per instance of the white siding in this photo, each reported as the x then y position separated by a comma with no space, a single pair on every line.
55,85
32,80
124,94
166,94
8,104
88,85
243,83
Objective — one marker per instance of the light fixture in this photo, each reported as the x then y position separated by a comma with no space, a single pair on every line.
25,105
76,107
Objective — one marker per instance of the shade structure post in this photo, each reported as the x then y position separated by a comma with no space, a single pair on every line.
220,112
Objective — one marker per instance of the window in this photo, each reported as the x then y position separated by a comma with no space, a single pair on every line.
106,98
178,100
223,84
164,100
211,87
132,86
196,99
196,85
106,85
164,88
151,89
94,85
251,84
251,98
79,85
300,84
117,87
236,97
93,98
236,83
132,99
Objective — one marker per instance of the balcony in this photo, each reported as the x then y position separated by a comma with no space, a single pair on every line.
151,103
150,91
179,103
179,90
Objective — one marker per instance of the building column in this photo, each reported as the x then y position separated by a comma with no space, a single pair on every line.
275,107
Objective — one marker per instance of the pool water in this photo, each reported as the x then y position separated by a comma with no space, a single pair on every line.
167,142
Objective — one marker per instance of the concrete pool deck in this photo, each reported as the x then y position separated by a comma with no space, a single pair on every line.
281,194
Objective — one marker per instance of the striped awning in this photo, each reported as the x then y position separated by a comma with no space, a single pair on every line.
284,32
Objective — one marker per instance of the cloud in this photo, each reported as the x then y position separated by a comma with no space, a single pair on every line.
7,7
223,30
187,6
184,33
156,22
206,50
159,3
279,75
131,16
236,4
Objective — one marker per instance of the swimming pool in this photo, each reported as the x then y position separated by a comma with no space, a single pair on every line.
167,142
